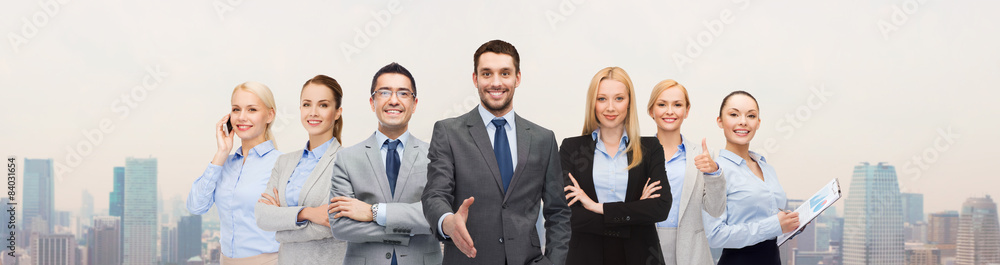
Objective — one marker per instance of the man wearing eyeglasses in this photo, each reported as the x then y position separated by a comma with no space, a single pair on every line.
377,183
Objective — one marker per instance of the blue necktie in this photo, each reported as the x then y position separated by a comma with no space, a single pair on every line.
501,148
392,171
392,164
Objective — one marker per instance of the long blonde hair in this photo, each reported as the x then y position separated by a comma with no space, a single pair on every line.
264,93
590,122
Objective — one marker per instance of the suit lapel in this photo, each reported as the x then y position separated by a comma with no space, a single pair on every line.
478,132
523,149
374,153
690,178
318,171
586,166
631,194
410,154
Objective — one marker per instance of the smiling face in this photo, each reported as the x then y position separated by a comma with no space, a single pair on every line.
393,113
611,104
318,110
739,119
496,78
670,109
250,116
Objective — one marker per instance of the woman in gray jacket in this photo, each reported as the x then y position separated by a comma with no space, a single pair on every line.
295,201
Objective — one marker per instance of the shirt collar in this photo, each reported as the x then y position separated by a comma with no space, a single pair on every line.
318,152
488,117
622,144
736,159
261,149
381,137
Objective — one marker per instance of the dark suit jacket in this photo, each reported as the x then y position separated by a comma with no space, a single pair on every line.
502,225
626,233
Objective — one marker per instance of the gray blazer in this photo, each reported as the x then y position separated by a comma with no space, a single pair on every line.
308,243
360,173
701,192
502,225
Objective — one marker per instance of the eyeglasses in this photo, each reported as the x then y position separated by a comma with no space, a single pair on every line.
400,94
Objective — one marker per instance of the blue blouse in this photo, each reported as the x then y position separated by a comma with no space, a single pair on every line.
751,214
235,188
610,172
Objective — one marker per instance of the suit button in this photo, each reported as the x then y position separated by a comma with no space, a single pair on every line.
388,255
504,206
628,218
501,240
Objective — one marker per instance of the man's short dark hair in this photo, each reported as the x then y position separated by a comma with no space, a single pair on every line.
394,68
500,47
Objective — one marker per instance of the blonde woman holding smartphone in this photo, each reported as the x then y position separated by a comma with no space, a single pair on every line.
232,182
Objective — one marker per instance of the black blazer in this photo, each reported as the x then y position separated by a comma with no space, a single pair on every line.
626,233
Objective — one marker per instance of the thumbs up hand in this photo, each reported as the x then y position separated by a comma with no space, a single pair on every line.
704,161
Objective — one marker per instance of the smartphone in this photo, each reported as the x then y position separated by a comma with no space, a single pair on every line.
229,126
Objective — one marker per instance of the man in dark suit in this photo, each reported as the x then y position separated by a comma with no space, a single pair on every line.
503,163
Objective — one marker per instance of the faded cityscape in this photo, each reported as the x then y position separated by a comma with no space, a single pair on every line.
880,225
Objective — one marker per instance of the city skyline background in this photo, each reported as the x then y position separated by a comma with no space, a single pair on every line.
834,90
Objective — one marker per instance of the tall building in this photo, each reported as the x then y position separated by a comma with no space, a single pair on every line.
139,220
913,207
168,245
873,226
53,249
942,232
38,195
117,197
189,237
978,233
104,243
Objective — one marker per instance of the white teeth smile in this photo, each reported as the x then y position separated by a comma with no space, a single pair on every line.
742,131
314,122
496,93
394,112
242,126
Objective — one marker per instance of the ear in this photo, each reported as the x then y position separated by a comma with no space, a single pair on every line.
371,101
475,80
270,115
517,81
718,120
413,109
336,115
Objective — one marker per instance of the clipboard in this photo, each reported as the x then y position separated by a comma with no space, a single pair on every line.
813,207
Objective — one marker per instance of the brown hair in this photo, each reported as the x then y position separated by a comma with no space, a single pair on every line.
497,46
737,92
338,96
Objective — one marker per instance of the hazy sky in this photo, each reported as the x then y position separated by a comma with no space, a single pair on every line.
838,82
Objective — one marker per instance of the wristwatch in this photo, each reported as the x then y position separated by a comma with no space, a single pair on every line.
374,211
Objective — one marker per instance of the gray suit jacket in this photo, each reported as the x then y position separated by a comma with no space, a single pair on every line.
502,225
701,192
359,173
308,243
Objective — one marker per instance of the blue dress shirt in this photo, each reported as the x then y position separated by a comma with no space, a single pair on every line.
235,188
302,171
380,138
751,214
676,168
610,172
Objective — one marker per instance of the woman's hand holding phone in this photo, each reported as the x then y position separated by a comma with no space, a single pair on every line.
224,140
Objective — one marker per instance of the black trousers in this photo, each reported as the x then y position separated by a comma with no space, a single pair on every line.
763,253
